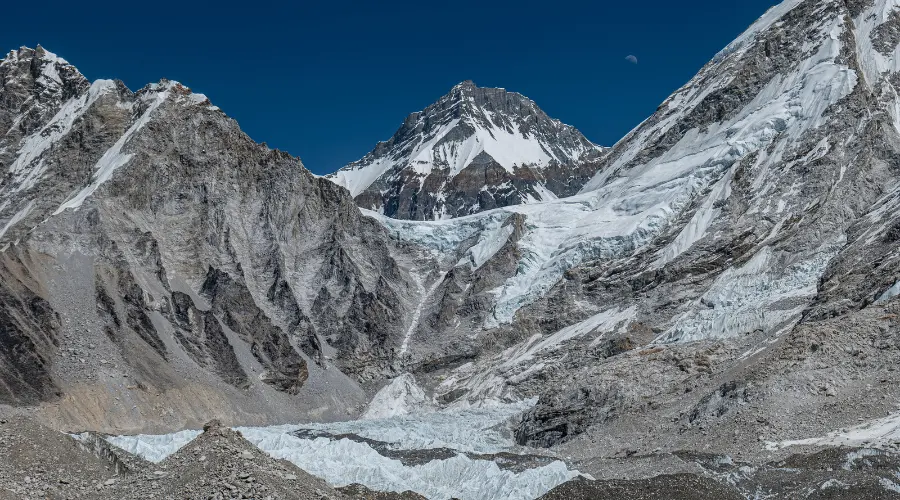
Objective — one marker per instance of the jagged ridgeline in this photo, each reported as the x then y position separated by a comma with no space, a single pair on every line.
728,266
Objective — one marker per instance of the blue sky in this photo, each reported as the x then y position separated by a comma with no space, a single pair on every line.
326,80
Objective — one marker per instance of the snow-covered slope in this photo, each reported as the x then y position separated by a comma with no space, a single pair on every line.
751,205
726,271
474,149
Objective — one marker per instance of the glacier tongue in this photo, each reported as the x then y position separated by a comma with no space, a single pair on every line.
346,461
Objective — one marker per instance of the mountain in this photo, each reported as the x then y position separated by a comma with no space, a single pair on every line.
474,149
158,266
728,275
721,290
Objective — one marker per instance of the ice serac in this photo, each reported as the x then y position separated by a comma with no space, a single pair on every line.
473,150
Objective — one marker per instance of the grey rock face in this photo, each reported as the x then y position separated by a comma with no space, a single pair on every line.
183,255
473,150
29,335
847,473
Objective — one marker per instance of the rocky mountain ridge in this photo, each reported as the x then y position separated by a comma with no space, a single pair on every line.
150,247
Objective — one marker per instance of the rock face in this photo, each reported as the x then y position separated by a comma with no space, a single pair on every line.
150,247
473,150
835,473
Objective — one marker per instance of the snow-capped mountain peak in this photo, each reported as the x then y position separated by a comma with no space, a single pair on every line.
474,149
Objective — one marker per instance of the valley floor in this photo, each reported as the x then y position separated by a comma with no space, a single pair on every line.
411,458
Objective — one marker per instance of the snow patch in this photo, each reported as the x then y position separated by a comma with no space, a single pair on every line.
889,485
28,167
699,224
489,243
17,217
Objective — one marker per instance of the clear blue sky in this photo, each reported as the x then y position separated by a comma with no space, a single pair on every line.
326,80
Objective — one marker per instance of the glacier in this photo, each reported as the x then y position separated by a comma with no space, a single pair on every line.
476,430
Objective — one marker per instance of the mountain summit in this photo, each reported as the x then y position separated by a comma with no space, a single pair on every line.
473,150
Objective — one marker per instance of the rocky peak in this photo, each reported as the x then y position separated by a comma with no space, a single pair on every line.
35,83
472,150
41,71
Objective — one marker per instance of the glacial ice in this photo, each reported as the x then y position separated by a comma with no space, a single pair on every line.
628,204
762,294
873,434
480,430
344,462
154,448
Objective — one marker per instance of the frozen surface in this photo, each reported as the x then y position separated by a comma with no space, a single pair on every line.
344,461
400,397
475,430
888,294
154,448
489,243
17,217
627,204
699,224
761,295
444,236
29,167
494,379
872,434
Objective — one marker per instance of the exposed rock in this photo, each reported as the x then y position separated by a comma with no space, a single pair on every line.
675,487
